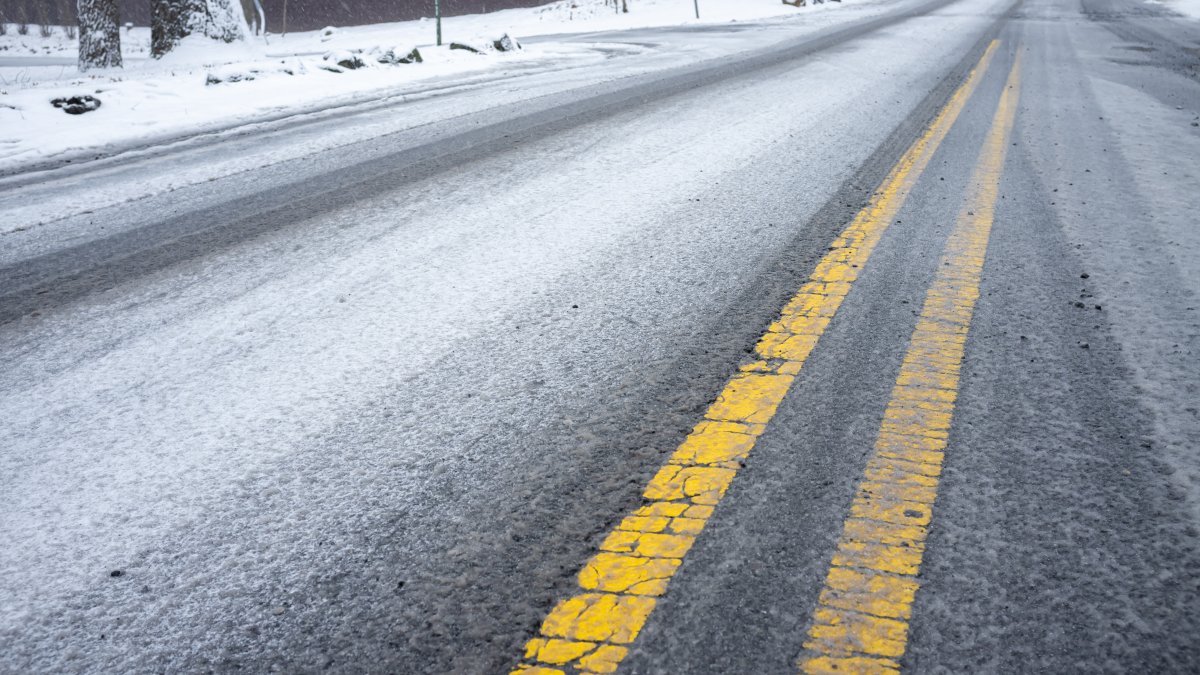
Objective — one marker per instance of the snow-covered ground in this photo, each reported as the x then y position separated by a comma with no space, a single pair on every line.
151,100
1185,7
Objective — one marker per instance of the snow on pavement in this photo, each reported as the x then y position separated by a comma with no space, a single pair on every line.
210,380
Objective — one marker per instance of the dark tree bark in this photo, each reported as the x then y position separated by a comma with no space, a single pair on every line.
99,34
168,24
173,20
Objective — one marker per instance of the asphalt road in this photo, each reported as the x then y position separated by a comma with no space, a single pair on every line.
373,409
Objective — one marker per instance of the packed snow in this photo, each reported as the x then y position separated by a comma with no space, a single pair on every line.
1189,8
204,86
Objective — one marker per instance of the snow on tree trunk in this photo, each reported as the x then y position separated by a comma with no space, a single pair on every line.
99,34
173,20
225,21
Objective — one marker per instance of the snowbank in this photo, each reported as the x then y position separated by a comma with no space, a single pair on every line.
1189,8
204,85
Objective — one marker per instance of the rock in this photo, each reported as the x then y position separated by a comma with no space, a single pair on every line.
76,105
506,44
116,573
214,78
392,57
328,33
344,59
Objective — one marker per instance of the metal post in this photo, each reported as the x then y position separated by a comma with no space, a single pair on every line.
437,10
697,4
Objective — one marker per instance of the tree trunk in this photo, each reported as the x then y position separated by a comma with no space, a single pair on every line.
99,34
173,20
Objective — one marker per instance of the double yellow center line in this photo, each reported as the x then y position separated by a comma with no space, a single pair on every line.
589,632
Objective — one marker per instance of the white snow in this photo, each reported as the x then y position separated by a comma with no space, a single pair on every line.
149,100
1189,8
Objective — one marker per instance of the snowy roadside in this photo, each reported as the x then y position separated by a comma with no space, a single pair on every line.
168,100
1188,8
205,87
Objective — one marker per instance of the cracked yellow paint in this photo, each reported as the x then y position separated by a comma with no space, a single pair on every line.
603,660
635,575
897,559
556,651
787,346
713,445
668,509
537,670
869,593
598,617
838,632
860,624
858,665
681,496
750,397
647,544
701,484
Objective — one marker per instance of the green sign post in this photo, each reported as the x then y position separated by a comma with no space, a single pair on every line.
437,11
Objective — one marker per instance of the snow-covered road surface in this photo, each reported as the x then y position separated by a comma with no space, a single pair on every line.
360,392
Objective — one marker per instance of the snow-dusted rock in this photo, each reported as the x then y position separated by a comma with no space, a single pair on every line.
398,55
76,105
328,33
221,75
474,48
344,58
506,43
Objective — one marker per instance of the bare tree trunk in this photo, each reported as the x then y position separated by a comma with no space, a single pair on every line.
64,16
168,24
44,28
173,20
99,34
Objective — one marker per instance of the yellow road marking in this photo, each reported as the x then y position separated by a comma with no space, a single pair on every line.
589,631
860,624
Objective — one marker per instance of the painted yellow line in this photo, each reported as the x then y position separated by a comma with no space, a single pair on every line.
590,631
860,624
